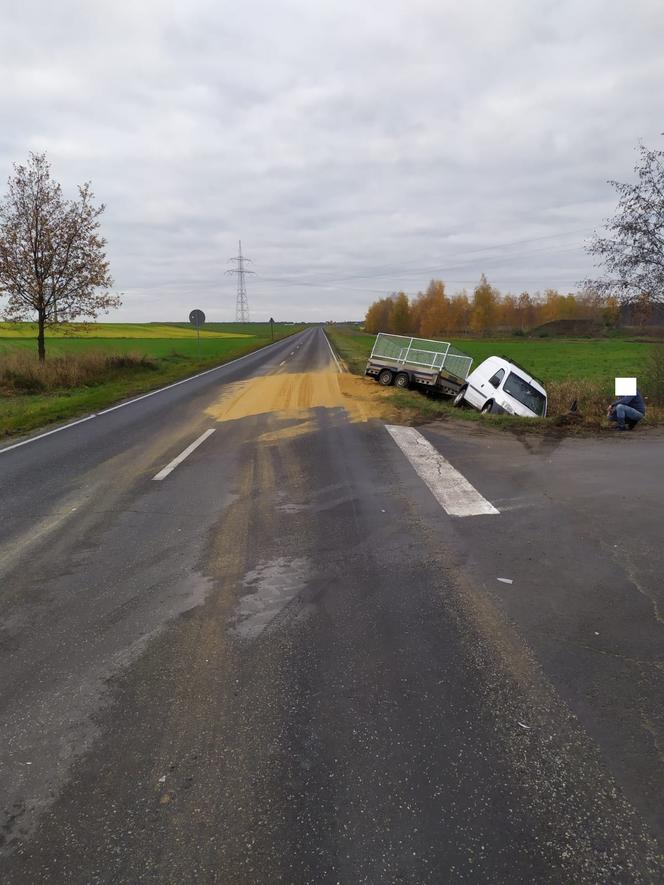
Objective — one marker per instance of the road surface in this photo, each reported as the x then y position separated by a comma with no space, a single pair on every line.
244,639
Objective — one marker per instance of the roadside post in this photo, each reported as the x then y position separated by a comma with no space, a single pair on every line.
197,318
272,327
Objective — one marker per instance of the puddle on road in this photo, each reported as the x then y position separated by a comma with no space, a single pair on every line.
270,587
315,506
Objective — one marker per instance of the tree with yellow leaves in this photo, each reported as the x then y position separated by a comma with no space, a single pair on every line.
485,307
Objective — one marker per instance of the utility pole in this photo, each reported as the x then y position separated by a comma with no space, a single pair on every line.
241,303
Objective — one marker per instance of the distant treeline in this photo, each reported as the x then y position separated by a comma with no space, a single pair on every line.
434,312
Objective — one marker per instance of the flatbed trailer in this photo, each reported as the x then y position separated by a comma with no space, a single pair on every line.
423,362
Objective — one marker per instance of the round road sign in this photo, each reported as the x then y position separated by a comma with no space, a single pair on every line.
197,318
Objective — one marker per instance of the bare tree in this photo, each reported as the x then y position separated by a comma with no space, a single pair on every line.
632,248
53,265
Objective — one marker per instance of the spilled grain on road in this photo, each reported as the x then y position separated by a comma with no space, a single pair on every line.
293,396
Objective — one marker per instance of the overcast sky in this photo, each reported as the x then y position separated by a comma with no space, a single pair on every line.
355,148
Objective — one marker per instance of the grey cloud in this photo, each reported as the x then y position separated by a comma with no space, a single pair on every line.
372,145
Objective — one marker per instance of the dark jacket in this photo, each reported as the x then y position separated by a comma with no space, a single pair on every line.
636,402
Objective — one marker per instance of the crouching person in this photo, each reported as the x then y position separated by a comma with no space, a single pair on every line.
627,411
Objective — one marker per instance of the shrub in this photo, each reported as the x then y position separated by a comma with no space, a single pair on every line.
592,397
22,373
22,380
130,361
653,375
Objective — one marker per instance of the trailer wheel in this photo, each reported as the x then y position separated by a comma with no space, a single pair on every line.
385,378
486,408
402,380
458,399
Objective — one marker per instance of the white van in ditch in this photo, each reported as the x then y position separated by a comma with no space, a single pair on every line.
498,385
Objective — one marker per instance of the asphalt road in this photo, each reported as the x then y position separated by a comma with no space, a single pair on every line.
285,662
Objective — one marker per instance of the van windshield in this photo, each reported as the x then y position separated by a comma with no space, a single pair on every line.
525,394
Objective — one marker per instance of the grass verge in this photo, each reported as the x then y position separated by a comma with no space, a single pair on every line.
76,381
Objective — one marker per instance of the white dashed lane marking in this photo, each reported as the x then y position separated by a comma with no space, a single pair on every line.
185,454
449,487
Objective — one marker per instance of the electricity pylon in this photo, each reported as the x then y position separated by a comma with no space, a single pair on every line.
241,303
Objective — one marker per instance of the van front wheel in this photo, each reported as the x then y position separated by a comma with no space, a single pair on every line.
457,402
488,405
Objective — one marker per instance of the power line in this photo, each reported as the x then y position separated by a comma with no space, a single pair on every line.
404,268
241,302
492,263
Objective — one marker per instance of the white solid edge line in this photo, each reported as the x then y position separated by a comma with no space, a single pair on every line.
47,433
185,454
334,356
136,399
449,487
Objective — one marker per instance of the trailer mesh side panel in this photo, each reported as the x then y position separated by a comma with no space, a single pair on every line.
458,362
391,347
422,352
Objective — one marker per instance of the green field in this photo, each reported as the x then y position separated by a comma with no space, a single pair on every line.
173,349
158,347
549,359
152,339
129,330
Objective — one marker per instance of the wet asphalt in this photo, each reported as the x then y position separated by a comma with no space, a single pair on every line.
285,662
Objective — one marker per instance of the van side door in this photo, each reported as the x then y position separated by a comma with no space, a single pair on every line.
477,381
489,386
